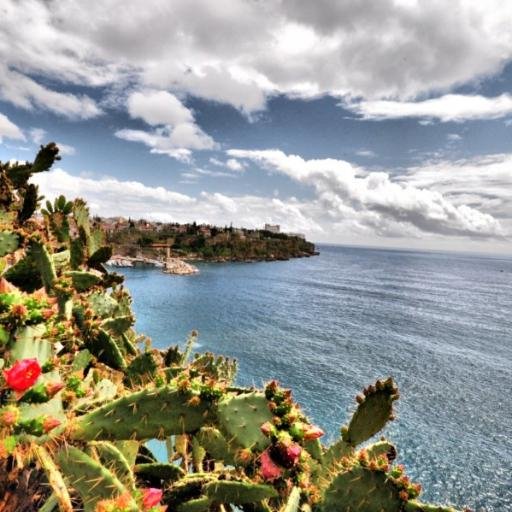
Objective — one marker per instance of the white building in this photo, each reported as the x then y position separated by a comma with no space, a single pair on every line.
273,228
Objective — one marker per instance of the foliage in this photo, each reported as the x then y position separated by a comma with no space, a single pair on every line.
81,394
213,243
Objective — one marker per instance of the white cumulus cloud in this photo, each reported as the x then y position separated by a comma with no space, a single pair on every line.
175,132
483,182
24,92
235,165
9,129
450,107
238,52
375,200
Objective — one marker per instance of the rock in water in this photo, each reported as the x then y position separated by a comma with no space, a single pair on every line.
180,267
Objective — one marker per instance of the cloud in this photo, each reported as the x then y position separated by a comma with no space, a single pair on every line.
159,107
483,182
231,163
9,129
454,137
235,165
450,107
66,149
38,135
176,132
375,201
109,196
368,153
23,92
106,191
196,173
239,52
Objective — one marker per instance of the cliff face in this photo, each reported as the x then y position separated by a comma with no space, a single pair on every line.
209,243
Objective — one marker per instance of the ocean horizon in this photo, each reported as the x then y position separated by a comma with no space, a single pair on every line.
326,326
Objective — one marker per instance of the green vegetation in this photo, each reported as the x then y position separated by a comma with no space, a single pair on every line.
194,241
81,393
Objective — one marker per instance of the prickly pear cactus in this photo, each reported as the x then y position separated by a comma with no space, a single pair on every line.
81,394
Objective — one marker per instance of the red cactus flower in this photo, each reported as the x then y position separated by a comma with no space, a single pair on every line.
151,497
23,374
50,423
313,432
286,453
269,469
292,453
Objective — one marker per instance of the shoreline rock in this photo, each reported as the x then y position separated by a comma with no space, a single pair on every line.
172,266
179,267
128,261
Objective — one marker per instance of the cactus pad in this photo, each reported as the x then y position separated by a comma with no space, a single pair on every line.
8,242
362,490
215,444
103,304
92,481
143,415
82,281
375,409
44,263
113,459
104,347
159,471
292,505
224,491
241,417
382,447
201,504
118,325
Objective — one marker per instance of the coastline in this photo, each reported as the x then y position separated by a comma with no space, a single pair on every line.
183,265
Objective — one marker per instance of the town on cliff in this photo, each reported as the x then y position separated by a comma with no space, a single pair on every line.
174,246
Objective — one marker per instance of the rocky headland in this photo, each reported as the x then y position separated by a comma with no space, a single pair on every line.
192,242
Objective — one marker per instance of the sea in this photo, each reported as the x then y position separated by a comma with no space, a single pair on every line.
439,323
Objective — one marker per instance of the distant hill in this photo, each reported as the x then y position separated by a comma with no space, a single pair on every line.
204,242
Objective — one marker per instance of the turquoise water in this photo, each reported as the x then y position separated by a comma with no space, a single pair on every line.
440,324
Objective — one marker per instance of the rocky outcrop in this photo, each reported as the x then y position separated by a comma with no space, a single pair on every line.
171,266
179,267
129,261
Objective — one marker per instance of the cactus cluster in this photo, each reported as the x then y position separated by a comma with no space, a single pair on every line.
81,394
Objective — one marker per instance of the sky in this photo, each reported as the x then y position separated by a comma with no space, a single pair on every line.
384,123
